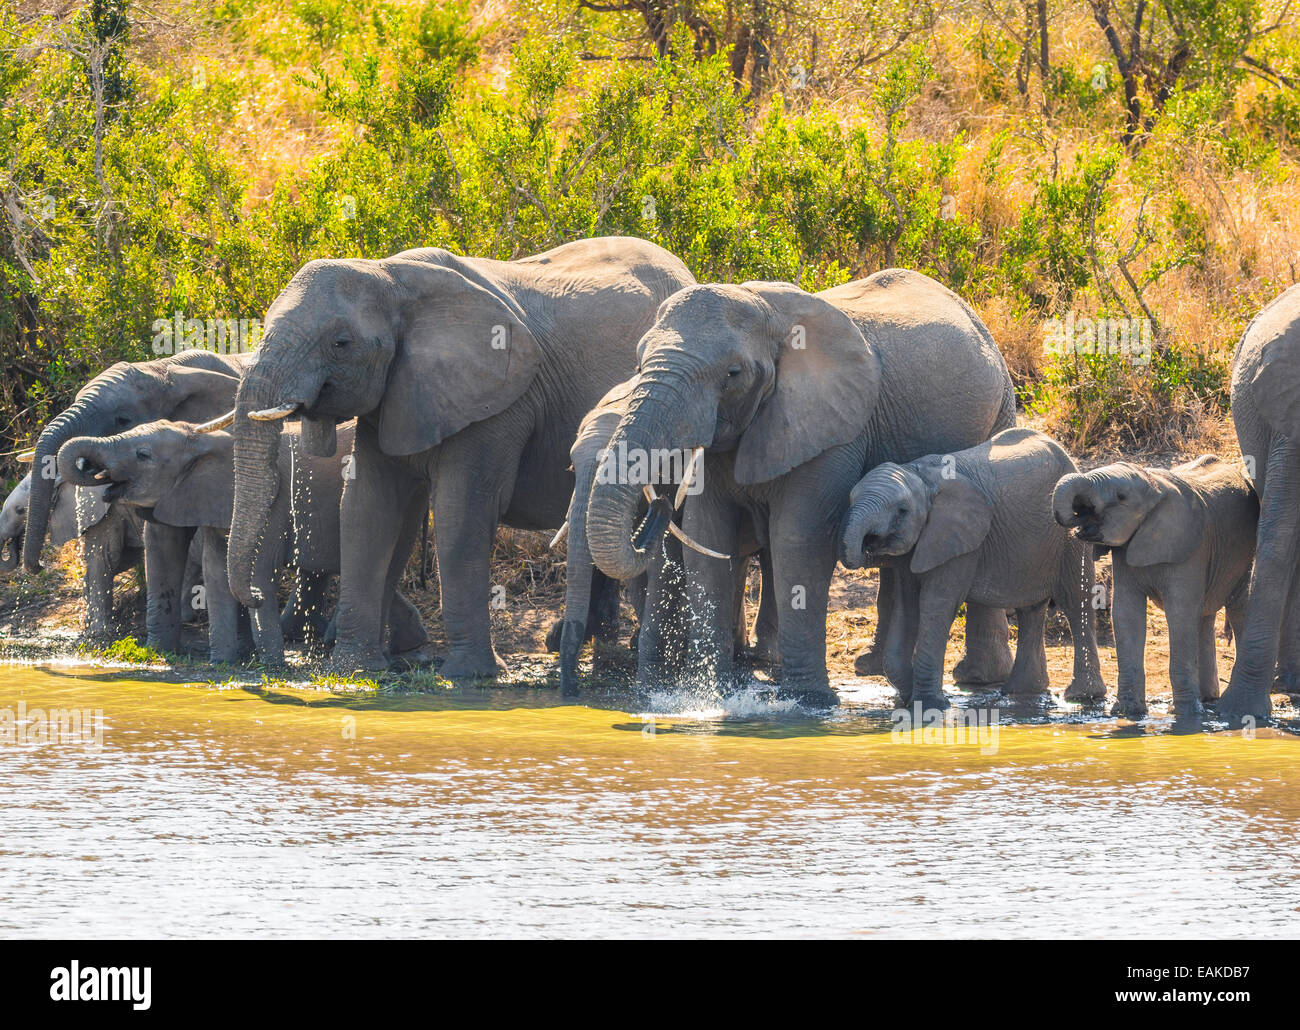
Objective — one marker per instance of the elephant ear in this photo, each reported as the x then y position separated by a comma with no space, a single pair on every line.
825,388
204,492
959,521
1171,531
463,356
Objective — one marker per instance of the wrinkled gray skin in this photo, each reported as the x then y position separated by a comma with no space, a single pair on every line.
182,478
1266,413
194,386
470,377
1183,538
975,526
111,539
591,598
794,395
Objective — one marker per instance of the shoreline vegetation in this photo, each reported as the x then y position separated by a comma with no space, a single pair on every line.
1112,185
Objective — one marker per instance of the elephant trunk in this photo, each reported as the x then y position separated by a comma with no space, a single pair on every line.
257,481
80,419
83,460
1075,500
864,524
621,545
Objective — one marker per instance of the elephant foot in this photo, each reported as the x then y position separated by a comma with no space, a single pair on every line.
984,668
353,659
930,701
870,663
1240,702
1133,708
472,666
1085,690
1027,684
1188,713
809,695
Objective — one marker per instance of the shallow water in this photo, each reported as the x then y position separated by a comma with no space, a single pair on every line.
231,811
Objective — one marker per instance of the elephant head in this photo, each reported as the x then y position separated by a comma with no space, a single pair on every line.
764,371
195,385
422,346
186,477
920,508
74,510
1149,511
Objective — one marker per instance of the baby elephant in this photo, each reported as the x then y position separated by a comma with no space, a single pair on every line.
1184,538
978,527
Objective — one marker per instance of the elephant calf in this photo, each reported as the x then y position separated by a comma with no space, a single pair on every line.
111,540
182,475
978,527
1185,538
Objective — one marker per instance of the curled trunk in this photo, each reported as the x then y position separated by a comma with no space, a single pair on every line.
1074,496
80,419
84,456
854,527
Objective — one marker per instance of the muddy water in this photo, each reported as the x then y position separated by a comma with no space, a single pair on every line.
233,811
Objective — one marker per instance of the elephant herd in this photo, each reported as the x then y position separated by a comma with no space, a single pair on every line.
675,430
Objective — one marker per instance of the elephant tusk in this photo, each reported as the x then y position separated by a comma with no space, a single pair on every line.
102,474
271,414
680,534
650,494
559,535
27,457
688,475
220,422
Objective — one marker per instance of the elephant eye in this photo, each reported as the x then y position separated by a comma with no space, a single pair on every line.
733,371
143,454
339,344
123,421
1121,497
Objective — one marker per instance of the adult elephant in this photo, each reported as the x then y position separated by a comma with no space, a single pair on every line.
193,386
794,395
469,377
1266,413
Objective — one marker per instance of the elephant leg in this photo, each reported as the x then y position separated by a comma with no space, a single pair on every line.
371,517
1185,628
802,565
1287,680
165,551
872,661
1207,664
602,615
1271,580
714,521
1129,617
406,627
304,618
222,609
97,553
193,576
416,512
1074,597
1029,672
936,610
900,644
466,522
766,628
988,648
267,636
